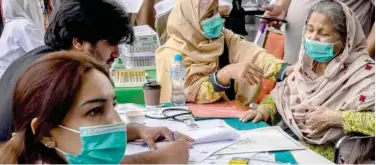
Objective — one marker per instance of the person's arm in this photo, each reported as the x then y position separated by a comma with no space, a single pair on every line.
285,4
210,91
371,42
268,104
362,122
176,152
241,50
133,131
142,158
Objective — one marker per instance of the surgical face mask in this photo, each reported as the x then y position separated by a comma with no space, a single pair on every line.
212,27
319,51
99,144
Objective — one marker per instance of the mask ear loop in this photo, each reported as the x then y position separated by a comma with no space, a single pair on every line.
61,151
341,47
69,129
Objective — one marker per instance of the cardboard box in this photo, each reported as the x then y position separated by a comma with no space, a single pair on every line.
146,40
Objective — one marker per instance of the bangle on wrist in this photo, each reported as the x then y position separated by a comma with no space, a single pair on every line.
217,87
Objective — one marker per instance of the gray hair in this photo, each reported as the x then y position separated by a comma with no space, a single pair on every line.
335,11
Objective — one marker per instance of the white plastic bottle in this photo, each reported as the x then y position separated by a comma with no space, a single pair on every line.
177,74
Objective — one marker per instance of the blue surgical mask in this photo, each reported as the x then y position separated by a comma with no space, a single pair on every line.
319,51
212,27
99,144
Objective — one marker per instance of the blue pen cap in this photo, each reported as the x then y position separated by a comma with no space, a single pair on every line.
178,57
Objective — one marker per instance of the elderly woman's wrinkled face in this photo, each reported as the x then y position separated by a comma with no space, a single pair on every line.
320,28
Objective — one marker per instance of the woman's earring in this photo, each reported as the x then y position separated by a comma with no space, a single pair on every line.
47,144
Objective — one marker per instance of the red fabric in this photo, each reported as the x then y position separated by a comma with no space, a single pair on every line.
368,67
362,98
274,44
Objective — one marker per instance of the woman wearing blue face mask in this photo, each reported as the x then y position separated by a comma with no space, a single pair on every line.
219,64
331,91
64,113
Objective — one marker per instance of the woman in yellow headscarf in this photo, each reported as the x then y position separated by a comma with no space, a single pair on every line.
219,64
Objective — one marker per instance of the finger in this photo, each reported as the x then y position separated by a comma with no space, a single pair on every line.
253,73
184,137
318,130
280,24
244,115
263,21
250,116
268,7
311,108
248,78
275,23
256,78
309,122
189,145
251,78
258,118
255,68
313,133
318,124
151,144
168,134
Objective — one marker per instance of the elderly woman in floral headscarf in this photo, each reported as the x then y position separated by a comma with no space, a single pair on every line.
331,91
219,64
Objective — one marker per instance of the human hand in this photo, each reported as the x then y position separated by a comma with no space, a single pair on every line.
250,73
224,10
290,69
152,134
176,152
255,115
274,11
320,119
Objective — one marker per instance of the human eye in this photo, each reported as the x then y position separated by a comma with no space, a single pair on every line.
97,111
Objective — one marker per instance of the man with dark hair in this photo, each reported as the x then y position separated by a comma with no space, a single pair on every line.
95,27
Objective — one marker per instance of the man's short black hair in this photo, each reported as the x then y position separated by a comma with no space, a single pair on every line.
89,21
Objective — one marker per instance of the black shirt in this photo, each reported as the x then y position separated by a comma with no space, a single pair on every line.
7,83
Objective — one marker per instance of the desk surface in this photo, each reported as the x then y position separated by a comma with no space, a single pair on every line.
306,156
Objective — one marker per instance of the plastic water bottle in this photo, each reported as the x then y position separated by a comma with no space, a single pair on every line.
177,74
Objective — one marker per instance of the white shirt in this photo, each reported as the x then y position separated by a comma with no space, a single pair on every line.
19,36
23,30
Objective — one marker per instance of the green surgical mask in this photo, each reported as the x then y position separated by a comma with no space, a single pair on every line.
212,27
104,144
319,51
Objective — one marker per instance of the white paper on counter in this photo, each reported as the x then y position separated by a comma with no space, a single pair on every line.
262,140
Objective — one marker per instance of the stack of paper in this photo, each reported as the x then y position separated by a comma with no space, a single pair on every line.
261,158
261,140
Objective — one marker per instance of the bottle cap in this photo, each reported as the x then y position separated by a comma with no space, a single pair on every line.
178,57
